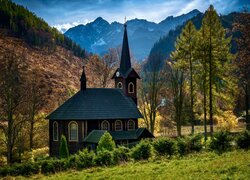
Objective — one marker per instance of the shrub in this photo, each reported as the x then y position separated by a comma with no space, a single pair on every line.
27,156
41,153
4,171
243,140
24,169
195,143
3,161
121,154
106,143
182,146
60,164
220,141
72,161
104,158
85,159
47,167
142,151
164,146
63,151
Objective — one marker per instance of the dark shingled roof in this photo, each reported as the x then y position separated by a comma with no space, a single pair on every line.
97,103
95,135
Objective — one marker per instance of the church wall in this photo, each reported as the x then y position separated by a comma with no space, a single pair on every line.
83,131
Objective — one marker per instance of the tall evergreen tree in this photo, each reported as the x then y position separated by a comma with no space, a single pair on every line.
184,55
218,54
63,151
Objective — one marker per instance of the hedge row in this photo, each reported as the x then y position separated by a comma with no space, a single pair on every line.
144,150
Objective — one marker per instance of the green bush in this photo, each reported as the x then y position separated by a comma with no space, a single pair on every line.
220,142
85,159
106,143
104,158
4,171
60,164
164,146
182,146
121,154
142,151
24,169
47,167
63,151
72,161
195,143
243,140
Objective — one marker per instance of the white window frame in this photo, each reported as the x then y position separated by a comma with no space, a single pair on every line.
119,84
105,121
69,130
121,125
83,129
55,123
131,120
133,87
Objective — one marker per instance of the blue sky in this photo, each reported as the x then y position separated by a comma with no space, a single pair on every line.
68,13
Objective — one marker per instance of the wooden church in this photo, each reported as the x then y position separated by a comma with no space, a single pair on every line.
85,117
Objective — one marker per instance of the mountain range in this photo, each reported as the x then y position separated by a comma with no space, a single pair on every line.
98,36
166,44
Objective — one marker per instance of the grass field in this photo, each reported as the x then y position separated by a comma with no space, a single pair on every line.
230,165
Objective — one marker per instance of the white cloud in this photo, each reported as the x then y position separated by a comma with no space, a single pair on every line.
65,26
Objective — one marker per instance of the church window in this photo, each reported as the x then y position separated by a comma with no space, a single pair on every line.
73,131
118,125
119,85
131,125
131,87
105,125
55,131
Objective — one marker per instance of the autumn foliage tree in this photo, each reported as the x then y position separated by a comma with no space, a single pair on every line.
243,58
12,93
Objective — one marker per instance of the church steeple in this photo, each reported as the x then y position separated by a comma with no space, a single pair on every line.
125,64
83,80
125,76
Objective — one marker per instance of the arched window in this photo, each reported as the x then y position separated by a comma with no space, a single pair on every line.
118,125
131,125
73,131
105,125
131,87
55,131
119,85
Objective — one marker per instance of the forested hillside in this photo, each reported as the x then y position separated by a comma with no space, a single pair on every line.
40,68
166,44
20,22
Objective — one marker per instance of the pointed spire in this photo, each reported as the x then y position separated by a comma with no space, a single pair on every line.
83,80
125,64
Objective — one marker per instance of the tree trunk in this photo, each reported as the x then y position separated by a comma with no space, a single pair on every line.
192,96
31,133
210,82
205,111
205,98
247,108
9,140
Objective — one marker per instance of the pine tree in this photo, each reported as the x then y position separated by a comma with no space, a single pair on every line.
218,55
106,143
184,55
63,151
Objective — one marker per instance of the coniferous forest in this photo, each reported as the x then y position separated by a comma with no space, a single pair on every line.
193,94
